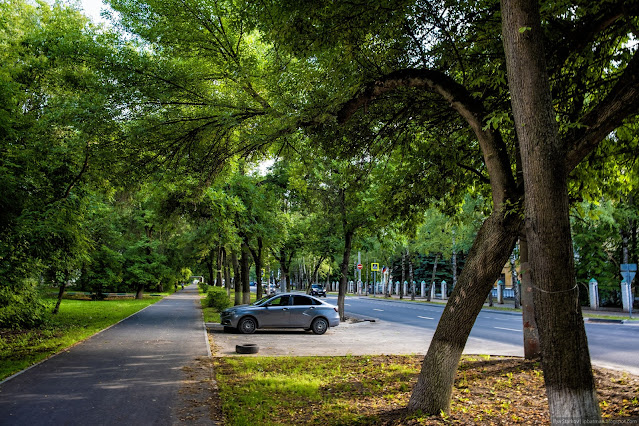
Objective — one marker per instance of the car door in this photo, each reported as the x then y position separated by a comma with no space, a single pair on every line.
276,312
302,311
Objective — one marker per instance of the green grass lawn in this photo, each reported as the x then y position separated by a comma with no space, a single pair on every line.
77,320
374,390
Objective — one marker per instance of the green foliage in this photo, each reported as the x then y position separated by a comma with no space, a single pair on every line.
598,244
217,298
22,307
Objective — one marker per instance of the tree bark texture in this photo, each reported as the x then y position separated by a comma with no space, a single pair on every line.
63,286
245,265
514,279
564,347
411,278
401,284
237,280
218,264
486,258
531,335
227,273
432,277
343,277
257,258
209,268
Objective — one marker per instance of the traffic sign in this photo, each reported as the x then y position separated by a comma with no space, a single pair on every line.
628,271
374,266
360,266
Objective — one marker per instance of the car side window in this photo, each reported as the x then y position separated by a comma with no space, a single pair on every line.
280,301
302,301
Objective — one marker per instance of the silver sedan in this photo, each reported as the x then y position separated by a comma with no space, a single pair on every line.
288,310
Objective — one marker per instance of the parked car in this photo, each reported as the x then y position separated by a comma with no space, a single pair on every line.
282,311
317,290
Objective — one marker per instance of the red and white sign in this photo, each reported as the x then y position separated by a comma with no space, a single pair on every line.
360,266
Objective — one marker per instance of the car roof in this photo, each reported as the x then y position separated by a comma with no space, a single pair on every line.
297,294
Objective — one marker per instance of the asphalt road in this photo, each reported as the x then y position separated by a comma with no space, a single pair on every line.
129,374
611,345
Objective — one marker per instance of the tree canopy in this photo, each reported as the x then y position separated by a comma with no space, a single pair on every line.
129,153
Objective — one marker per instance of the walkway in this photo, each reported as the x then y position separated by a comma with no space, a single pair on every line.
128,374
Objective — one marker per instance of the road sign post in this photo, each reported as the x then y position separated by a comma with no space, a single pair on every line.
628,271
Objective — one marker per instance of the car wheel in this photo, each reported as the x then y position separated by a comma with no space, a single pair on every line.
319,326
247,325
247,348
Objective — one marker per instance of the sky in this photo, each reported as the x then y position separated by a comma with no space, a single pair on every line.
92,9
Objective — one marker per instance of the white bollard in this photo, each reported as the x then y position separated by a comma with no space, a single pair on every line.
594,294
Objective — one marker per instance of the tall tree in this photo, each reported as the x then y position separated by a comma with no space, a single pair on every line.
567,371
460,61
55,114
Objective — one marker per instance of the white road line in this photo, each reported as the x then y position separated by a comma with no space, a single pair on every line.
509,329
425,317
380,310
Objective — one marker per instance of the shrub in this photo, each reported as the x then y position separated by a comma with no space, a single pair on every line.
217,298
204,287
21,307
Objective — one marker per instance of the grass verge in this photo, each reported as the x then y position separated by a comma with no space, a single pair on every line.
210,314
373,390
77,320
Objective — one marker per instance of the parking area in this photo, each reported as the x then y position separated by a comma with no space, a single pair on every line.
349,338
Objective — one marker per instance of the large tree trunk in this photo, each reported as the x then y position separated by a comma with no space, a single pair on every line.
285,269
245,265
237,279
210,268
218,271
514,279
531,335
432,277
489,253
63,285
343,278
257,258
227,273
401,284
411,279
564,347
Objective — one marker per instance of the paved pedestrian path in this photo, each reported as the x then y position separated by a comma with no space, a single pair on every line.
129,374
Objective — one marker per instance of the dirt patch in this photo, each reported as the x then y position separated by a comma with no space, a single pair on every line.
198,401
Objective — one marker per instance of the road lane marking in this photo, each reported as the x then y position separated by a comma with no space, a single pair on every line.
380,310
509,329
429,318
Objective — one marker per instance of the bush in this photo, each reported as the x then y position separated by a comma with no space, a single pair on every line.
22,307
204,287
217,299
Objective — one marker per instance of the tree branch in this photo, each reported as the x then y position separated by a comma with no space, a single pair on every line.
459,99
85,166
621,103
